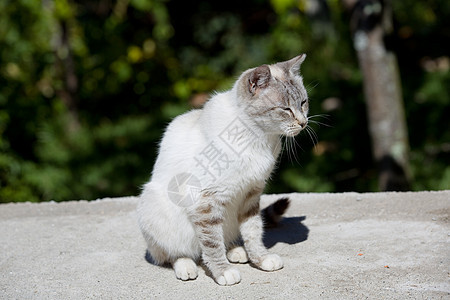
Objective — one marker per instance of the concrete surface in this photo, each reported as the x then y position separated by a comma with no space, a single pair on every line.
334,246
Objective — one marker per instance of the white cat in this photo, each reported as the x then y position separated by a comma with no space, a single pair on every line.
212,167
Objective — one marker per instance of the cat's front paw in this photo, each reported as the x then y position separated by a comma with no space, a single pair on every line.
229,277
185,269
271,262
237,255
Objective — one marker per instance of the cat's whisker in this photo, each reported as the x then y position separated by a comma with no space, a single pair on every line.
319,123
294,149
282,149
297,145
309,134
312,134
309,88
326,116
317,137
280,145
319,115
288,150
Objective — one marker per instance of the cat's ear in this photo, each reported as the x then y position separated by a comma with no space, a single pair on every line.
259,78
294,64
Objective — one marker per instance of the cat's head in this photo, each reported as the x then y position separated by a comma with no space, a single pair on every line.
274,96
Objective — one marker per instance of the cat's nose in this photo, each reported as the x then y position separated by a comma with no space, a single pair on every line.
302,124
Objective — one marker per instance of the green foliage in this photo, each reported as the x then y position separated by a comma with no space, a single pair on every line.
139,63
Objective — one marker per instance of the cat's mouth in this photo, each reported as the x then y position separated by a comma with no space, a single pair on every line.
293,131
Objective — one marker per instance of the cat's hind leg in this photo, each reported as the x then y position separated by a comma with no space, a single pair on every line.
237,255
166,228
185,268
155,254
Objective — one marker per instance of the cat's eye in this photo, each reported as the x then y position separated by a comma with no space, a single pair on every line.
303,102
288,110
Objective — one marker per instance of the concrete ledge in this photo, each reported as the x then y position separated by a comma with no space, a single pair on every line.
346,246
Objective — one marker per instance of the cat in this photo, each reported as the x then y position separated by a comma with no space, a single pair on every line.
213,164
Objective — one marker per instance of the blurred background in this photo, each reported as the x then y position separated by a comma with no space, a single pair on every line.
87,88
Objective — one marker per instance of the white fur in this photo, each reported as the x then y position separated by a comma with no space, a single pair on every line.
237,255
168,228
271,262
229,277
185,269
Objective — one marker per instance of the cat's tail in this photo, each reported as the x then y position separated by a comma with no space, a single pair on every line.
273,213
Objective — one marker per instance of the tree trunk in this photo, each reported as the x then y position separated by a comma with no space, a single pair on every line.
69,92
371,20
65,68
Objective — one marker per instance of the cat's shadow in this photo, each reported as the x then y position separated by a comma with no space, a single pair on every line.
290,230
